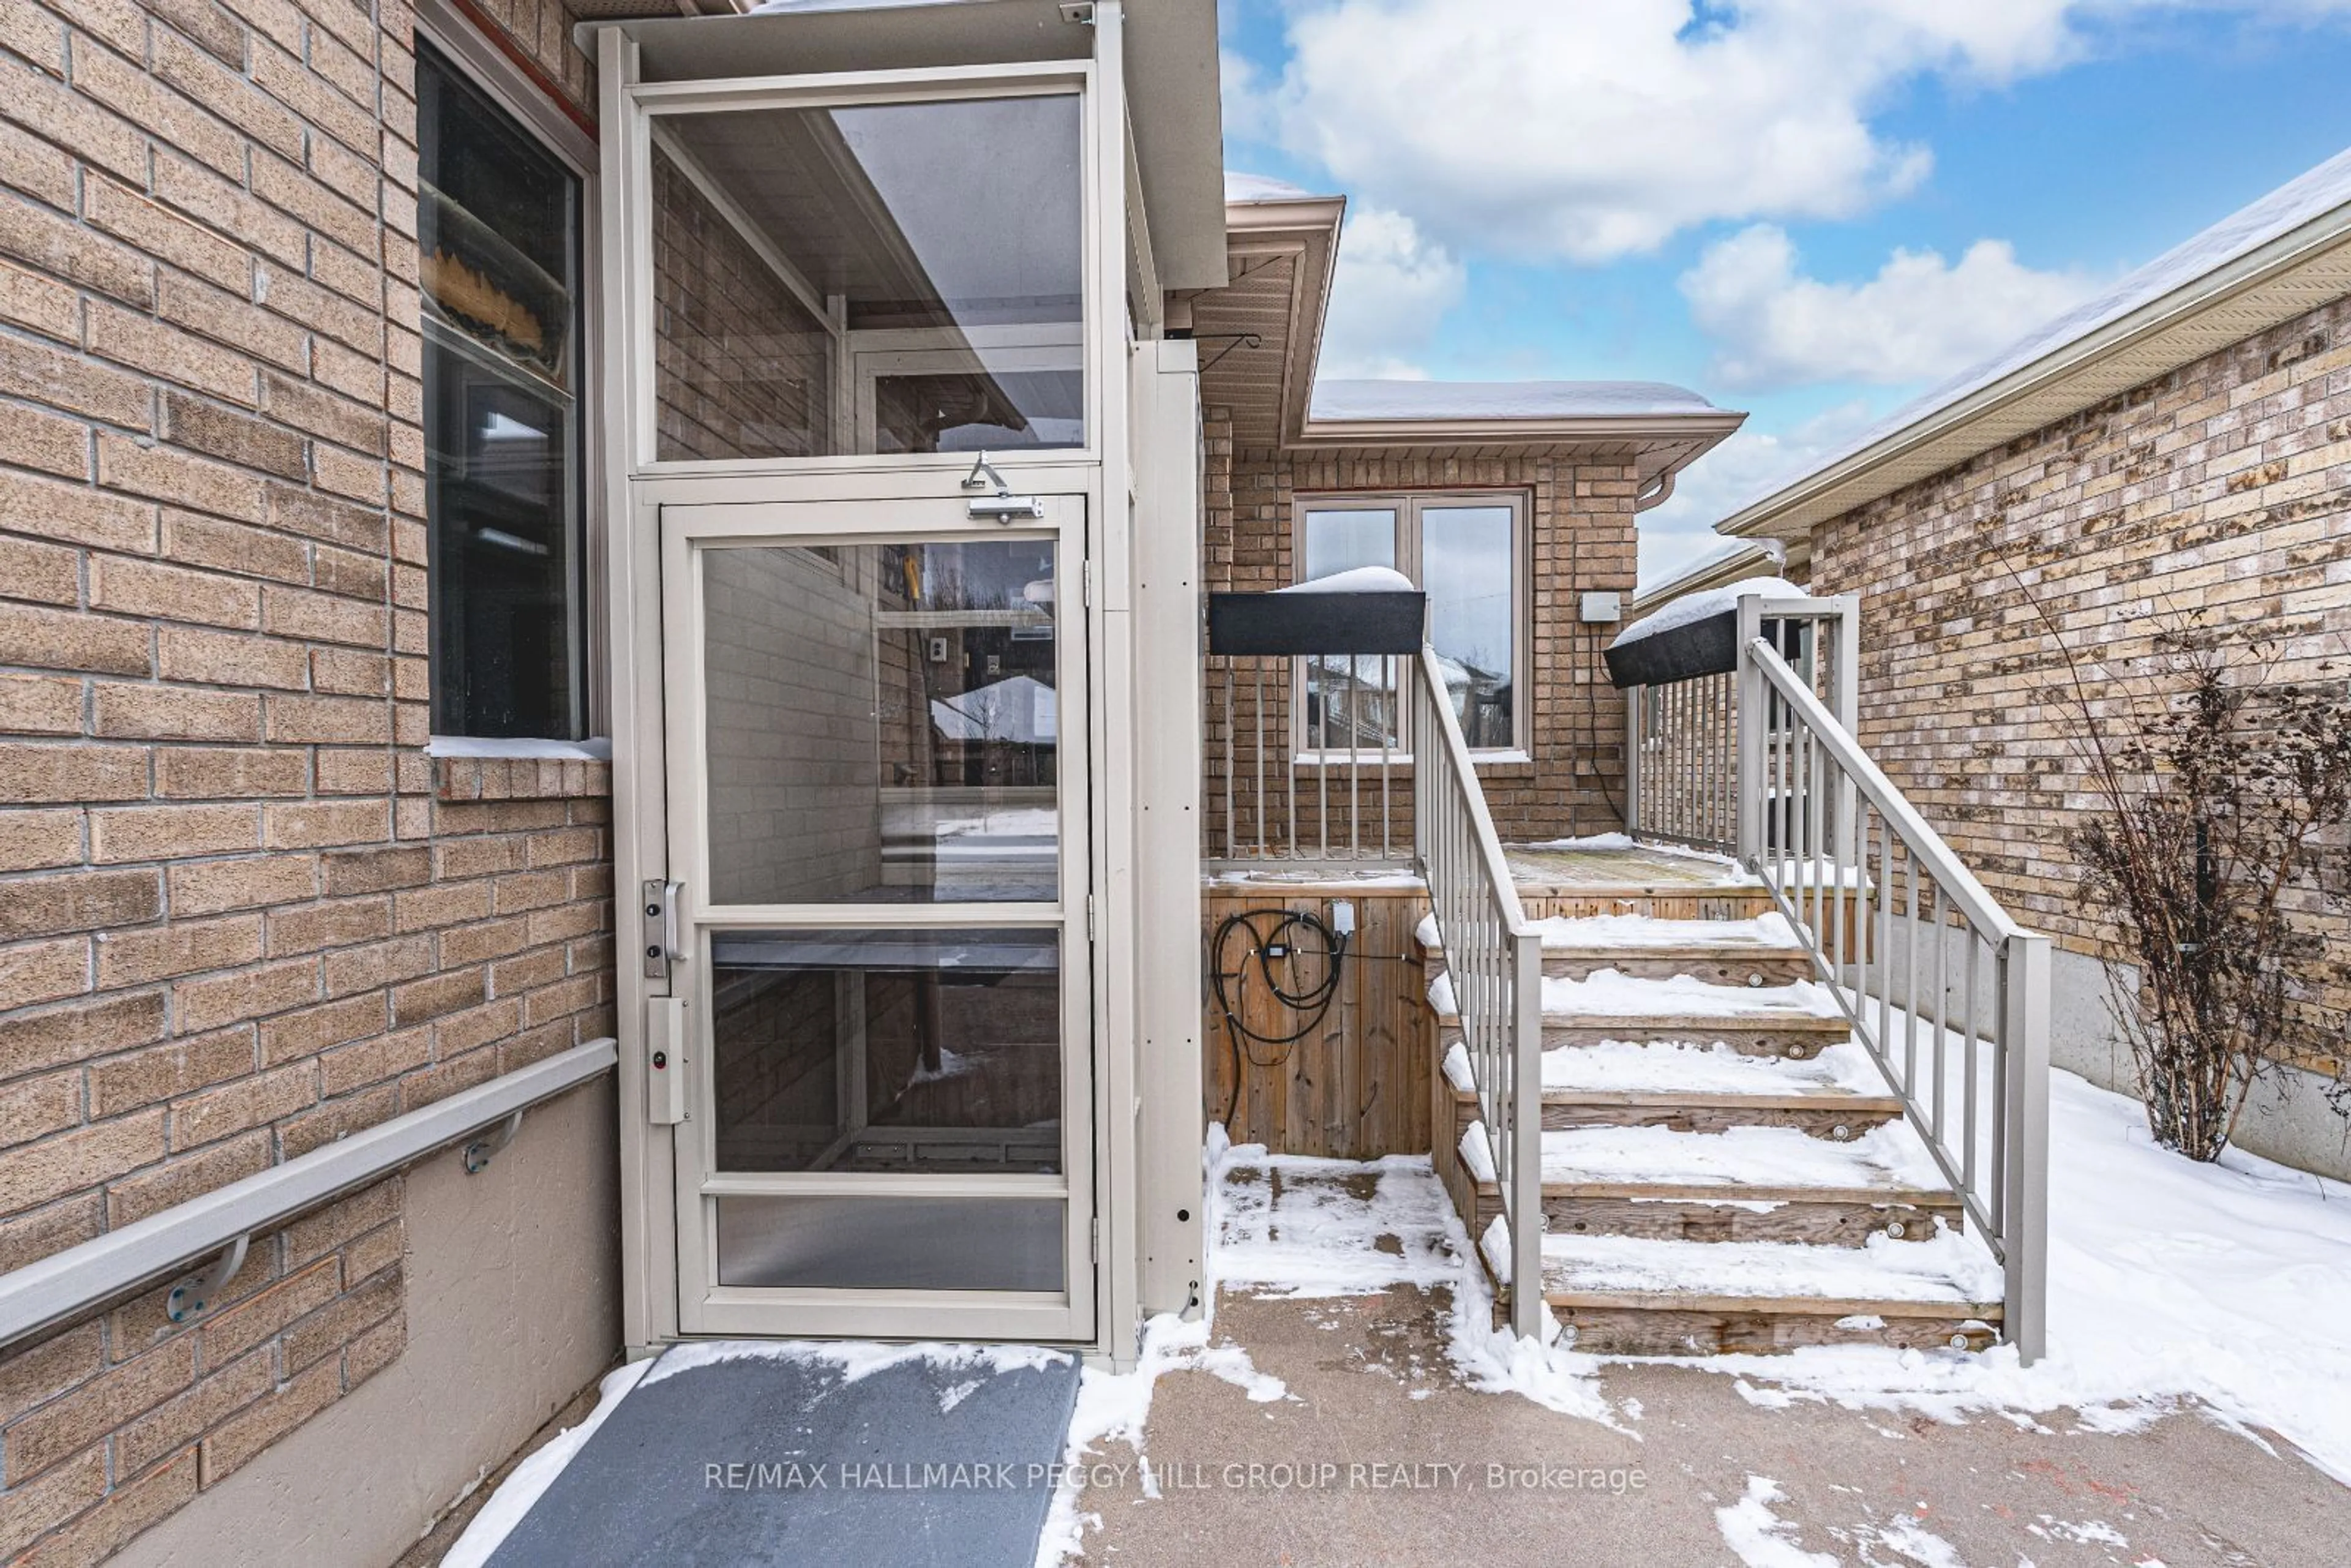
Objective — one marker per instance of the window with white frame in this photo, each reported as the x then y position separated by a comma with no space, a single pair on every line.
499,228
886,280
1468,554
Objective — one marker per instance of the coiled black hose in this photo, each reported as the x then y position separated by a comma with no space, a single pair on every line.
1266,945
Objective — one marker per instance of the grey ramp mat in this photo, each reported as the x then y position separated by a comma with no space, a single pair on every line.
841,1456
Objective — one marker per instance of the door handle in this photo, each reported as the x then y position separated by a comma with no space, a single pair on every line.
658,928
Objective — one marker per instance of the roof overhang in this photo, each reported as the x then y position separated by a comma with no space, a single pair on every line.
1288,311
1307,233
2297,272
1174,104
1735,565
1712,426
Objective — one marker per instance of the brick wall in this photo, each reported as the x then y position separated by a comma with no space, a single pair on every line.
241,912
741,368
2220,489
1583,522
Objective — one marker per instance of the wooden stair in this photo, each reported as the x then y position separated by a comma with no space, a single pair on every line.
1724,1169
1763,951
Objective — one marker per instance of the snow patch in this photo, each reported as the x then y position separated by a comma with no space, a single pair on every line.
1441,996
856,1360
2085,1533
1456,1068
1357,580
2228,1284
1710,1067
1691,607
1910,1539
1891,1156
1760,1537
1495,1247
1605,992
1478,1152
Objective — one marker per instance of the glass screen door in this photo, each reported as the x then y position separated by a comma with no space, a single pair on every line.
877,803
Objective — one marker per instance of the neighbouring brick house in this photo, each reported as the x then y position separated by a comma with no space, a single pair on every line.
245,911
2177,449
1571,463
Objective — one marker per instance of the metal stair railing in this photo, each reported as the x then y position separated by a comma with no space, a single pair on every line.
1493,962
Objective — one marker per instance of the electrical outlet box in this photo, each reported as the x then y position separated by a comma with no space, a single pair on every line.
1342,917
1599,607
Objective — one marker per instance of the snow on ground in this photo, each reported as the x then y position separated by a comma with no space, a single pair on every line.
1289,1227
1761,1538
2230,1283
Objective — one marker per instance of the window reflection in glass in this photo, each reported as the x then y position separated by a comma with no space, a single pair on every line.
883,279
882,723
1350,700
887,1050
497,225
1466,569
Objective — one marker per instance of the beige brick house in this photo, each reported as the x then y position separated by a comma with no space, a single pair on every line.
2178,447
604,743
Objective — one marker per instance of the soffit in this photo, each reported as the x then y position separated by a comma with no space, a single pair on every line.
2149,344
1173,97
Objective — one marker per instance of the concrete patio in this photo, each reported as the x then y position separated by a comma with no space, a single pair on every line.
1370,1385
1376,1451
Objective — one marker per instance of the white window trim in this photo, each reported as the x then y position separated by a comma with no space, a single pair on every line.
488,69
1408,506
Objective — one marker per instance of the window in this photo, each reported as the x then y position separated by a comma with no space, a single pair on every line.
1467,553
869,279
498,227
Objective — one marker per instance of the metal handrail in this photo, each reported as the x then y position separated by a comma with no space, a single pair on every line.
1493,962
61,1287
1813,715
1809,796
1759,759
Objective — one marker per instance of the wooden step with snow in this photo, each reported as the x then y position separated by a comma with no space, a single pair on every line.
1761,951
1749,1183
1637,1296
1799,1020
1796,1021
1837,1094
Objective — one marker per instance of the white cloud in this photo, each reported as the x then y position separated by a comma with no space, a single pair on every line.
1679,531
1919,319
1243,91
1393,288
1596,128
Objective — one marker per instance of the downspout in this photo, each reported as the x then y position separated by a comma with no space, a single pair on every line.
1661,490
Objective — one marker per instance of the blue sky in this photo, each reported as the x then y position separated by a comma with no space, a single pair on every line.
1808,209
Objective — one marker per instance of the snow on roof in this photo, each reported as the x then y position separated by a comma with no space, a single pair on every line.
1400,400
1699,606
1248,188
1724,552
2297,201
